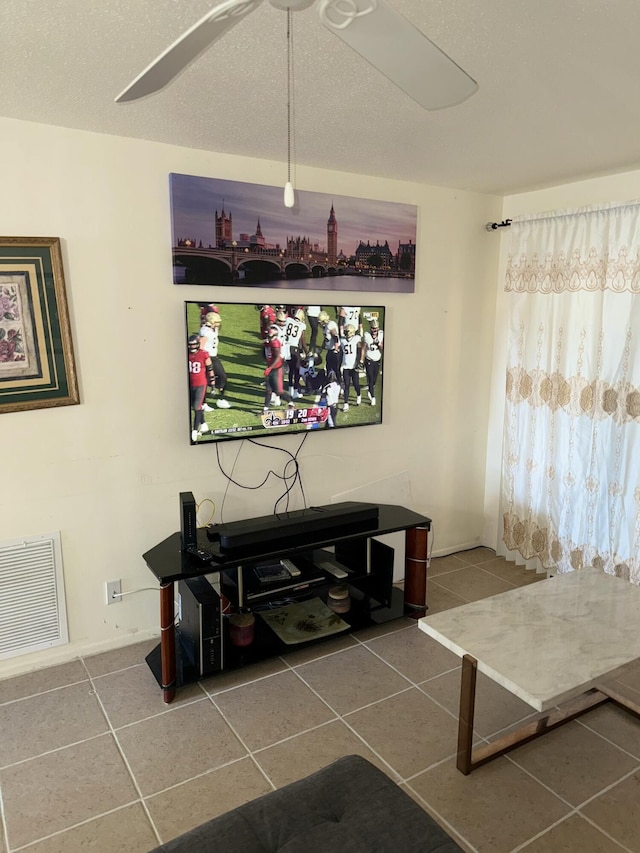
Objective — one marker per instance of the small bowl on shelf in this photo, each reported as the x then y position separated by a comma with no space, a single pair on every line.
242,628
339,599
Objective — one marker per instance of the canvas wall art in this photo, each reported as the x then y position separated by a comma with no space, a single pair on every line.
240,234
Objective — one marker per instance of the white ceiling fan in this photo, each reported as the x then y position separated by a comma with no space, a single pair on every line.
374,29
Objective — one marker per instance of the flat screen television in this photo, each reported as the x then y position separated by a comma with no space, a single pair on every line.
256,371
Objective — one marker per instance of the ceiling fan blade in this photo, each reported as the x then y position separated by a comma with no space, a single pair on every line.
401,52
186,48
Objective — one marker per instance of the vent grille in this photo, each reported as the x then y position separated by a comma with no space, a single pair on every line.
32,604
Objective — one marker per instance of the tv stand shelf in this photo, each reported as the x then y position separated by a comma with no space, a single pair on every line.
374,599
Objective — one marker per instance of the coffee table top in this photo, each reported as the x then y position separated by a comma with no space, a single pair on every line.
549,641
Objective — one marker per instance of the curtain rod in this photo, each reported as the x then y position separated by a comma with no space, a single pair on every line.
492,226
557,214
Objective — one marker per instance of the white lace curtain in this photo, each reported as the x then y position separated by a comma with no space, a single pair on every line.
570,488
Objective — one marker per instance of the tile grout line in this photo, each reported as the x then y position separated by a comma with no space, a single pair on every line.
608,787
585,725
343,719
53,751
42,692
72,826
605,833
3,818
543,832
354,710
81,661
417,685
124,759
241,740
442,820
289,738
236,686
196,776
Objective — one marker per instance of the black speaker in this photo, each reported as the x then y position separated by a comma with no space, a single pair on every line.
188,527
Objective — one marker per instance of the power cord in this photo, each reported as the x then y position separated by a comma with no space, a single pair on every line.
293,460
286,477
213,510
131,591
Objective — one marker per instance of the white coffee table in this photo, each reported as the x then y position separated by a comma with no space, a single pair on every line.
548,643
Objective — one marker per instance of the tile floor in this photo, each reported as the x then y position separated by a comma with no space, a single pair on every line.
91,759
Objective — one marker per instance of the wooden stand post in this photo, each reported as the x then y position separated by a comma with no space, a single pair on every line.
415,570
167,641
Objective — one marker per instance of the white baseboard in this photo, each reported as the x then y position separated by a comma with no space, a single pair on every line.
72,651
464,546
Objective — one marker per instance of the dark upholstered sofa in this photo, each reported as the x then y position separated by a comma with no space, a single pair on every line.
348,807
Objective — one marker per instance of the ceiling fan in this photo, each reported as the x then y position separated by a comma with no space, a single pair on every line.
372,28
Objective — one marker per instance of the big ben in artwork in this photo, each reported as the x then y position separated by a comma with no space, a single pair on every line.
332,237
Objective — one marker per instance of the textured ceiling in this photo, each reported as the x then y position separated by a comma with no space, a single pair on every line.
558,98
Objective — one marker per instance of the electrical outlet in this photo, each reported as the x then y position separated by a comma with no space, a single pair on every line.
112,587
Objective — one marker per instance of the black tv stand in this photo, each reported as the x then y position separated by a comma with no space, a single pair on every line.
232,581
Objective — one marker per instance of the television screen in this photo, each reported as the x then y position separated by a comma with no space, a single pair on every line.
263,370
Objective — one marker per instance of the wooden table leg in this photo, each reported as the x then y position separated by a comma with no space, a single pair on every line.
167,641
468,760
466,714
415,570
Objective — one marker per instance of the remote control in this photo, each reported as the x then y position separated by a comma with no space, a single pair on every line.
293,570
199,554
334,570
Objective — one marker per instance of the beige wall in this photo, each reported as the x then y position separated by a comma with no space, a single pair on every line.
622,187
107,473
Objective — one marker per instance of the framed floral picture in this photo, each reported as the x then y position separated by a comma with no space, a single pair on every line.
37,366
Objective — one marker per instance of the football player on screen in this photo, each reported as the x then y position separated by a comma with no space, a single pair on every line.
200,375
313,311
209,341
294,340
349,315
273,371
329,330
312,378
207,308
331,393
281,323
371,355
333,361
350,345
267,317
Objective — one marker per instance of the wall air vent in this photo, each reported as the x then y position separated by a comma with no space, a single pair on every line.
33,614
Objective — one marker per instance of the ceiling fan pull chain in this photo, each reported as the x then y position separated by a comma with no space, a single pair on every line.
289,199
289,94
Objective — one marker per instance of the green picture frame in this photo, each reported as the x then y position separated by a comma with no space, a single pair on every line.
37,365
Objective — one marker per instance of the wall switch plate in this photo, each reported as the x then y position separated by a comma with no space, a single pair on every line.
112,587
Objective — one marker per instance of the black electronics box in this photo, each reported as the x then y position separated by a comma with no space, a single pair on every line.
188,525
200,625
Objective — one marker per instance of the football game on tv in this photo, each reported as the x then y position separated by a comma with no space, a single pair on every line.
263,370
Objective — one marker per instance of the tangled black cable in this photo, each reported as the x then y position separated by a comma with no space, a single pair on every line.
295,476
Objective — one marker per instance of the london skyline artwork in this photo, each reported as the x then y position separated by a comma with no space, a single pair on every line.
241,234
